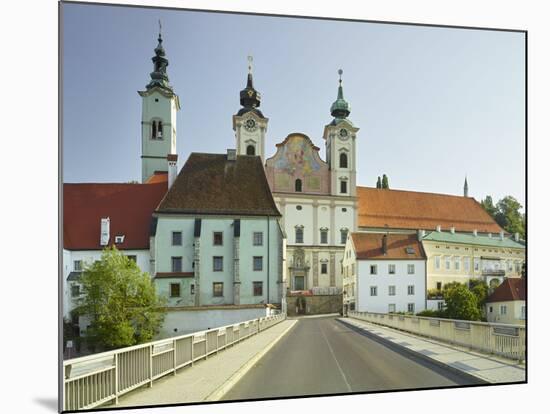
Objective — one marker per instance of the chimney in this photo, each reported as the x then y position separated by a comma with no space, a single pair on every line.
516,237
172,168
385,244
452,230
421,234
105,235
475,232
231,154
438,228
501,235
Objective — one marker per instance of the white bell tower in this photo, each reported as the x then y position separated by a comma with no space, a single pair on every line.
340,137
158,118
249,123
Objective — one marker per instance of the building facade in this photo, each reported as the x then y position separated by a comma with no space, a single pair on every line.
507,303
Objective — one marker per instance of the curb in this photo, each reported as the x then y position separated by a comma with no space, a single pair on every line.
404,350
236,377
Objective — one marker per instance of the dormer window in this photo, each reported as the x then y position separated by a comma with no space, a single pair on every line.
298,186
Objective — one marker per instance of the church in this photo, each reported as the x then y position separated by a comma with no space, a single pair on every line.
233,233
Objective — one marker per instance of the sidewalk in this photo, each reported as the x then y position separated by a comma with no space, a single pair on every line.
210,379
489,368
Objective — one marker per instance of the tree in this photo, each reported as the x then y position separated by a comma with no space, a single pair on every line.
461,303
488,206
379,183
481,291
509,217
385,183
120,301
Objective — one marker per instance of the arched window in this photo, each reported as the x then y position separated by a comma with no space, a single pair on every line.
154,130
343,160
250,150
298,186
160,130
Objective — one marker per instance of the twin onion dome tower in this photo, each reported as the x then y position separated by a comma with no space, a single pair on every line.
160,105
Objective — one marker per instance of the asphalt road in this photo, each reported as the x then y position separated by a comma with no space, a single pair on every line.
324,356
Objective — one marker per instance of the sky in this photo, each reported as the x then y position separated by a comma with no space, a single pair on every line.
433,104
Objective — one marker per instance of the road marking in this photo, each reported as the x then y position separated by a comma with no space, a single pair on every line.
337,363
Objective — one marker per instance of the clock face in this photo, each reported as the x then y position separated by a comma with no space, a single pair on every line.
343,133
250,125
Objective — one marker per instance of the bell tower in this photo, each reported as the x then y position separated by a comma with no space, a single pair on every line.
249,123
339,138
158,117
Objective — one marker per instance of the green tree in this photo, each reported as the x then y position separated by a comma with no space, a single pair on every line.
461,303
120,301
488,206
481,291
379,183
385,183
509,217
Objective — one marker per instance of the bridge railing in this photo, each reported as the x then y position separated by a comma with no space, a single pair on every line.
504,340
96,379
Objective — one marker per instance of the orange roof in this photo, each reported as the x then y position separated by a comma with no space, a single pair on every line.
129,207
158,177
510,289
369,246
398,209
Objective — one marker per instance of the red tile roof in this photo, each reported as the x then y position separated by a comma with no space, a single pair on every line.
369,246
129,207
400,209
510,289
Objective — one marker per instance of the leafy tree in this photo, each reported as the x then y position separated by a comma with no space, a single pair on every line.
431,313
379,183
481,291
385,183
489,207
120,301
509,217
461,303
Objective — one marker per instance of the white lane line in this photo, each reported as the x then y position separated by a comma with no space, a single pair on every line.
337,363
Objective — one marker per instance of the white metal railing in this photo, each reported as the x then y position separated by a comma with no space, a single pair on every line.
500,339
93,380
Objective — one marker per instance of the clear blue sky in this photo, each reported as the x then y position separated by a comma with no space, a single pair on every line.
433,104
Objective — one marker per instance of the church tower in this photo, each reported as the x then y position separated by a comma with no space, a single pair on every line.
465,186
249,123
158,117
339,138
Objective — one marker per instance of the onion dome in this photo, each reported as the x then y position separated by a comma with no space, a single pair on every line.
159,77
340,109
250,97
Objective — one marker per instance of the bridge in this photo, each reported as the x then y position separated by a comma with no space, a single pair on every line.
280,357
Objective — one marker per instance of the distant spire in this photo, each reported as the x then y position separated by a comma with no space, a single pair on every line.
250,98
465,186
340,109
159,77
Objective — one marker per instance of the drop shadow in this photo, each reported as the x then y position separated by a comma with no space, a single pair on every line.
49,403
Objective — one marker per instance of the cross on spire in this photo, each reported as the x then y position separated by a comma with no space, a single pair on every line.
250,59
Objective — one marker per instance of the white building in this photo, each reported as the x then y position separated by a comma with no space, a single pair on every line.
384,273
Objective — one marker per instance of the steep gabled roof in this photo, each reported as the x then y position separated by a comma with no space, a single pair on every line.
212,184
368,246
129,207
400,209
509,290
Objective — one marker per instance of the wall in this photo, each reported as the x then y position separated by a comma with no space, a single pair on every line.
187,321
513,312
314,305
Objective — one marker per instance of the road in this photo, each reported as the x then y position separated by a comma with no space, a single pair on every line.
324,356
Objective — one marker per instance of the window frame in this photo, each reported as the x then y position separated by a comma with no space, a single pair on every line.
170,292
255,260
343,156
299,231
214,234
409,267
392,290
323,236
391,269
324,268
375,268
255,284
216,294
174,268
174,233
214,263
343,187
79,267
410,307
410,290
258,238
374,291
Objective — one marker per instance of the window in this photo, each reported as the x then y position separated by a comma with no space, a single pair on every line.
75,291
467,264
176,238
438,262
391,290
250,150
503,309
218,238
447,263
373,291
517,267
391,269
298,185
258,288
476,264
298,208
410,290
154,130
78,265
353,269
457,263
440,305
344,209
175,290
343,160
510,266
343,187
523,312
438,285
218,263
192,289
132,257
217,289
373,269
410,269
176,264
258,263
410,307
490,309
324,236
343,236
299,235
391,308
159,131
323,268
258,238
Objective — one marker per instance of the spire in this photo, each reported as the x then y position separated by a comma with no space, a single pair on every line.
159,77
340,109
250,97
466,186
